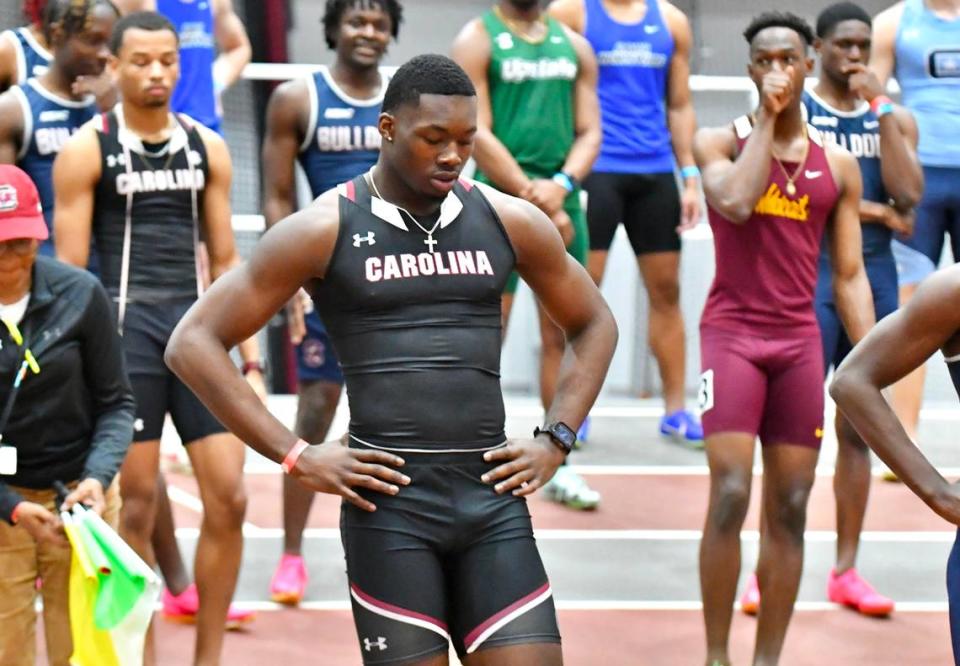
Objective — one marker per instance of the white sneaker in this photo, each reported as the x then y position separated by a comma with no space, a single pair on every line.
568,488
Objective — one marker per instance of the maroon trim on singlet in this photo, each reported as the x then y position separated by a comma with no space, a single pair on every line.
351,191
105,123
467,185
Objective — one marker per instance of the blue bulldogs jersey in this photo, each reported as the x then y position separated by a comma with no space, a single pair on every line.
49,121
32,58
859,132
342,140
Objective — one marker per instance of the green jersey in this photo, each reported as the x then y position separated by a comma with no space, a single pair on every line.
532,95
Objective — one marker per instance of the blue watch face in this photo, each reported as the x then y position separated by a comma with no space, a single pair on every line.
563,433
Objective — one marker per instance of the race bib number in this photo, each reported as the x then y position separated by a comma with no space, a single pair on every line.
705,392
8,461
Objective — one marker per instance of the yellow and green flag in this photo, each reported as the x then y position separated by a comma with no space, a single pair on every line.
112,594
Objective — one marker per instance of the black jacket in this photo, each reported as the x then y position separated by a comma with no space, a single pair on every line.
74,420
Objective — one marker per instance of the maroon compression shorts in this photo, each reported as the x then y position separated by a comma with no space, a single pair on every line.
771,387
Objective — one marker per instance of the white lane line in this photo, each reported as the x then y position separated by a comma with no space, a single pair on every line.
812,536
611,605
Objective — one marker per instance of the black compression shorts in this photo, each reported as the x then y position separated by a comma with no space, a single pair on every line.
146,330
445,559
648,205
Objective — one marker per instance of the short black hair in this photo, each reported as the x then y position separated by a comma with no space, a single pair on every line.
151,21
779,20
838,13
429,74
73,16
335,10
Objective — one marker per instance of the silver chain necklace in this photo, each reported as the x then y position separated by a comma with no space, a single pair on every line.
429,241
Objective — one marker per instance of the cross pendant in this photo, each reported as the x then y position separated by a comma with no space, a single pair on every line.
430,242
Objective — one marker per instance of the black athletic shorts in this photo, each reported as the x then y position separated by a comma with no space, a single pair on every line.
648,205
146,330
445,559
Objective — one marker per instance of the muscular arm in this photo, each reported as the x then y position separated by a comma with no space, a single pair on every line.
894,348
218,223
899,166
569,12
681,117
583,153
76,172
471,50
571,299
233,43
883,42
286,120
8,64
734,186
851,288
236,307
11,128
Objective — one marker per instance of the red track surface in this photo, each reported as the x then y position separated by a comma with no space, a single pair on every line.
607,637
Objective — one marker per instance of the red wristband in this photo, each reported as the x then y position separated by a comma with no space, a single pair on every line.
293,456
878,101
13,514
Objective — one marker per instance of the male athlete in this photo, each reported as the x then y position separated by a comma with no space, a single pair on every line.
773,186
539,133
24,52
39,116
214,49
898,345
643,49
329,123
849,108
406,265
918,42
148,184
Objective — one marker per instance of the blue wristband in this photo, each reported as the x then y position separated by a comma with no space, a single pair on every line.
563,180
690,172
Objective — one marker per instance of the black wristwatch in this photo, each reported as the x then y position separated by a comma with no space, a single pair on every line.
561,434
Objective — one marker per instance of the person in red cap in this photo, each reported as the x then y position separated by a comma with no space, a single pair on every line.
66,415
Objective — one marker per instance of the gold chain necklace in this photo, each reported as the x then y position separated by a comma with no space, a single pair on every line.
791,187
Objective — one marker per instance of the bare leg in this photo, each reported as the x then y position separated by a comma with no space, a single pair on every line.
908,392
218,463
787,478
316,406
851,486
164,540
531,654
730,456
551,355
138,489
597,265
661,275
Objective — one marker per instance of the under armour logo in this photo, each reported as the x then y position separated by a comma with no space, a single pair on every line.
113,161
381,643
369,239
138,425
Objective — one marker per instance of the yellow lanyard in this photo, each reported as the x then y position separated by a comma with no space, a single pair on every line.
17,336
